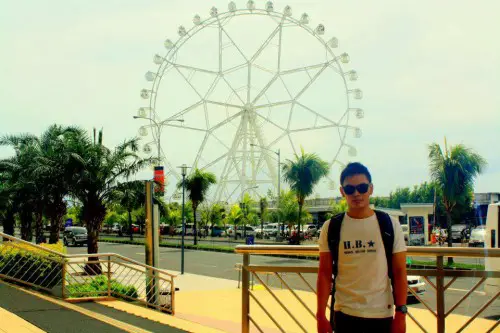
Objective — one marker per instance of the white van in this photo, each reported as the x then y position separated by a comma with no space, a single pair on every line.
491,241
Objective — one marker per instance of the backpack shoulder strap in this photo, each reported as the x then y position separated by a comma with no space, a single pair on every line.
387,232
334,240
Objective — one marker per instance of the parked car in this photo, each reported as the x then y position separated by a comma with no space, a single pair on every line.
417,284
250,231
116,228
135,229
458,232
310,230
270,230
217,231
75,236
477,237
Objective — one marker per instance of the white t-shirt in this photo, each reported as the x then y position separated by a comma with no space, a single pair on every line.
362,286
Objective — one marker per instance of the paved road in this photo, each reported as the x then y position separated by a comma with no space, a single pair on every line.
221,265
218,241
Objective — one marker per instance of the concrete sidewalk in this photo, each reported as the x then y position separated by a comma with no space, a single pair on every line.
216,303
203,304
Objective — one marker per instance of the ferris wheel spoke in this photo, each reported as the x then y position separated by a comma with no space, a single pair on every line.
312,128
270,105
235,68
215,161
185,127
188,81
200,151
219,140
224,122
207,121
196,69
280,38
264,69
266,87
181,113
235,45
291,143
311,81
290,115
233,91
317,114
307,68
212,87
266,43
223,104
286,87
270,121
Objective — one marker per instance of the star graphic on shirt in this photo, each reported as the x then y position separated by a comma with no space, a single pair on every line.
371,243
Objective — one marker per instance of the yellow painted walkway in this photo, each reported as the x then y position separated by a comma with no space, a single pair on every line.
10,323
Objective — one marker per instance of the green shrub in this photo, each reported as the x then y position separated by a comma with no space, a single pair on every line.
99,286
30,265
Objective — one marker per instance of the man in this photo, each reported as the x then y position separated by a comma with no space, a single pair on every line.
364,299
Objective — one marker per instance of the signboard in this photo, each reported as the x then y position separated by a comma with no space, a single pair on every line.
417,236
159,177
68,223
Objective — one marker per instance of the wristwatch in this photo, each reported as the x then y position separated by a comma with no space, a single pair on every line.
402,308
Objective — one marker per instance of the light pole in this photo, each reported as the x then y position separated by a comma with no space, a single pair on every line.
279,180
243,206
184,173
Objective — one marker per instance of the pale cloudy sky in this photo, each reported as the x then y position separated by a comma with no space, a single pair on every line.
428,69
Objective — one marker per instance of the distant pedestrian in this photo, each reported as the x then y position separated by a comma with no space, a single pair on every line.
365,251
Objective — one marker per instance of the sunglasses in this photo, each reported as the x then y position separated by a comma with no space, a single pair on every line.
361,188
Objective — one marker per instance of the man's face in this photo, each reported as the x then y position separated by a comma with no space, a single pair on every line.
357,200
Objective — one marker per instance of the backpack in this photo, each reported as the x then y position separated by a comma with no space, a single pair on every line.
386,231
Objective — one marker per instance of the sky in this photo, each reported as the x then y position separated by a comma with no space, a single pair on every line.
428,70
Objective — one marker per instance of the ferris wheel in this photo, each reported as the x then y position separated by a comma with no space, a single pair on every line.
243,84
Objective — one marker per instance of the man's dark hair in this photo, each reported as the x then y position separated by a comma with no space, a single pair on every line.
353,169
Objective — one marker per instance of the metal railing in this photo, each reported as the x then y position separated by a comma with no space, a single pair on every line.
84,277
299,282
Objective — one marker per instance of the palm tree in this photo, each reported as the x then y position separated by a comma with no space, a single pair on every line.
302,175
454,172
263,212
54,167
20,185
95,183
197,185
130,195
7,209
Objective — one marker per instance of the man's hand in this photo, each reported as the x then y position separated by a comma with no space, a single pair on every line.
399,323
323,324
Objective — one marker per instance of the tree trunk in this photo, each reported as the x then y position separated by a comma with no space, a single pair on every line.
450,240
195,229
300,215
58,210
26,218
262,222
94,213
38,226
94,267
130,225
9,222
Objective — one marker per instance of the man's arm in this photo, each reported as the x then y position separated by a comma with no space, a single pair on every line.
400,281
400,290
324,287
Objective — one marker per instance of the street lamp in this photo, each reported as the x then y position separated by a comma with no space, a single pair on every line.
244,208
184,168
279,179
